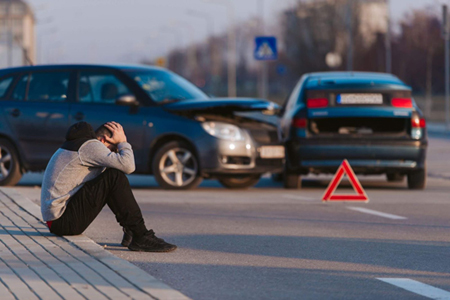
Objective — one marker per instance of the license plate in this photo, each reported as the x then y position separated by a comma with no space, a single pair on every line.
359,99
272,152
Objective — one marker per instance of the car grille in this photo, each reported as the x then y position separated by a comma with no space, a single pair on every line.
264,136
273,162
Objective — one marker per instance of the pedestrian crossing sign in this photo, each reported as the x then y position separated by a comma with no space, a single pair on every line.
265,48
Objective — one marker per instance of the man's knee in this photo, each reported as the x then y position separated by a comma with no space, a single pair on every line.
116,174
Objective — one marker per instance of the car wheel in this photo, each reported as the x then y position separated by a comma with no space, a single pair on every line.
277,177
175,166
394,177
292,180
239,182
417,179
9,164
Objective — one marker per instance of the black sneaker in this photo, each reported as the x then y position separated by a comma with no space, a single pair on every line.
150,243
127,236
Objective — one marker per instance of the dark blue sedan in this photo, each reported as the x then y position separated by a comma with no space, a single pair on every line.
368,118
178,133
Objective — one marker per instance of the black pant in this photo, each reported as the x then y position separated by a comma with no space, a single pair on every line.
111,188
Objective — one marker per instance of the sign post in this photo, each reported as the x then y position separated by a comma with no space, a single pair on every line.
265,49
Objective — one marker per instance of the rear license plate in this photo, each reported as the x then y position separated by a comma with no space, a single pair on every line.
359,99
272,152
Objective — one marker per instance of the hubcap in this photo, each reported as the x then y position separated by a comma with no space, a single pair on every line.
5,163
178,167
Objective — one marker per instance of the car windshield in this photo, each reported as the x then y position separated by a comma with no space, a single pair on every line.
164,87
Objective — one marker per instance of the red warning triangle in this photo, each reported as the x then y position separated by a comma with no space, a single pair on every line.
360,193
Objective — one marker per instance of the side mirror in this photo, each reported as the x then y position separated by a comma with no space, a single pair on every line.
127,100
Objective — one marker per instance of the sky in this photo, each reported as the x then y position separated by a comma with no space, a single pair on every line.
127,31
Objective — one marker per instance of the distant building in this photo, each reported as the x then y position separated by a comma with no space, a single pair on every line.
373,19
370,17
17,38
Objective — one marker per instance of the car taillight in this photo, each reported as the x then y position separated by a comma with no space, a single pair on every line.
401,102
417,126
317,102
417,122
299,123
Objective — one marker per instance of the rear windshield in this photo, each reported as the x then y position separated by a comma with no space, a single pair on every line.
165,87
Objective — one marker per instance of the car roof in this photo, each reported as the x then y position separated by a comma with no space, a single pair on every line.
332,80
84,66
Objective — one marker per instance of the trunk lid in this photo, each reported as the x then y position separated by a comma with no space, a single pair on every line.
359,112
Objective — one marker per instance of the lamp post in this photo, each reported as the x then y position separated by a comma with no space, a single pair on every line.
192,49
387,40
178,38
446,36
40,42
264,78
231,61
350,35
210,29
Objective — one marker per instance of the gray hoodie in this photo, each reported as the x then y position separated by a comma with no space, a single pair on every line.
68,171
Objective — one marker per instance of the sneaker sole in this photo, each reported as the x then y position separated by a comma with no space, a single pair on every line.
137,249
125,243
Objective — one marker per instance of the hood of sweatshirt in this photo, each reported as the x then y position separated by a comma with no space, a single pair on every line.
77,135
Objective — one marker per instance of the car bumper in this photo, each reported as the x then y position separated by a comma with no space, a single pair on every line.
222,157
365,156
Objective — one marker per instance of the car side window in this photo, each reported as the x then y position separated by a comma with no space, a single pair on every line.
20,90
48,86
100,88
4,85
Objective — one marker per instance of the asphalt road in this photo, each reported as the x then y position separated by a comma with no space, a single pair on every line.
272,243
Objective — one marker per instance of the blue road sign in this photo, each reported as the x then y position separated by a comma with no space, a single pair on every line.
265,48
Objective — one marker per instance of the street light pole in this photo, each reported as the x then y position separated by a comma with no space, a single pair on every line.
231,46
210,28
192,49
9,33
387,41
178,38
446,35
264,72
350,35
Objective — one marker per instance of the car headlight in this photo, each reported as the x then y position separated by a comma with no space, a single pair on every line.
223,131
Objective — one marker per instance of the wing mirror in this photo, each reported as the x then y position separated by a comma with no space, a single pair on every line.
127,100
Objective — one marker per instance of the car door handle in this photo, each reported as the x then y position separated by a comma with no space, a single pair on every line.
79,116
15,112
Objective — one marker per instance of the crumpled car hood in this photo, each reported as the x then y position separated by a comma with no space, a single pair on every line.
222,105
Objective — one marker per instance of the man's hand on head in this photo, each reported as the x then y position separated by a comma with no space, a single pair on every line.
118,135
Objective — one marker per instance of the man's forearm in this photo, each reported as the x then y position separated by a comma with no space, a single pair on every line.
95,154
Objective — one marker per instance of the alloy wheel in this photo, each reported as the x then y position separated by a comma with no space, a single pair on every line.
178,167
5,163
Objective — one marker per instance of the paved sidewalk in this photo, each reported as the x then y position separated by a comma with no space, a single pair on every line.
35,264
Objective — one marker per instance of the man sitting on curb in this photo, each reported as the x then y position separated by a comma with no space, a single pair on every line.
87,172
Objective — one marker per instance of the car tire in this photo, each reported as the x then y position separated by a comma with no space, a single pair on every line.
10,173
292,180
170,165
395,177
417,179
277,177
239,182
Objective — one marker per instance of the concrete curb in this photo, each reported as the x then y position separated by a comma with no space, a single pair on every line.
145,285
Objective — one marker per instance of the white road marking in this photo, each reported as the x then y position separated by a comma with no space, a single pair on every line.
376,213
418,288
295,197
